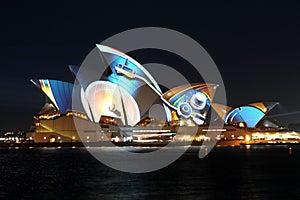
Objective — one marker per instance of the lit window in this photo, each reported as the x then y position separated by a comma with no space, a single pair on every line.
247,138
52,139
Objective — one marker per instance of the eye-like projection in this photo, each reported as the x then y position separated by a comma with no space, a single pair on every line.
198,101
184,110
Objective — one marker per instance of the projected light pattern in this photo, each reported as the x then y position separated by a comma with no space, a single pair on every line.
175,95
191,100
250,114
59,92
113,58
119,91
108,99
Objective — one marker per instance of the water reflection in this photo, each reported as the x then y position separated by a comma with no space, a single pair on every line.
230,173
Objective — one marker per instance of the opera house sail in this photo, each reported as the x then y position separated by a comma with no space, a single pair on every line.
117,97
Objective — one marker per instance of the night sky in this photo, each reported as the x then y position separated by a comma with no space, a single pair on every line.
256,47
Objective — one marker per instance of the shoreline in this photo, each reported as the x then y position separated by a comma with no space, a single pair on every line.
139,144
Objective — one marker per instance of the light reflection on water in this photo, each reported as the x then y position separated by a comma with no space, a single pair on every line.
261,172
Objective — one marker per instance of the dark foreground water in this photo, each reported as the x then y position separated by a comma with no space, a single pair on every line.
226,173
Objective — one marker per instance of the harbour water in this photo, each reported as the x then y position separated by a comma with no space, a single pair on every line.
256,172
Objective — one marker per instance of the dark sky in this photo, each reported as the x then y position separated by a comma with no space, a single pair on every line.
256,46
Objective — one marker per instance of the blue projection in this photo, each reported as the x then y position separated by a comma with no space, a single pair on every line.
248,114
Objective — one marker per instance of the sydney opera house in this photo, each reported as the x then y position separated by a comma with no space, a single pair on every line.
120,101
